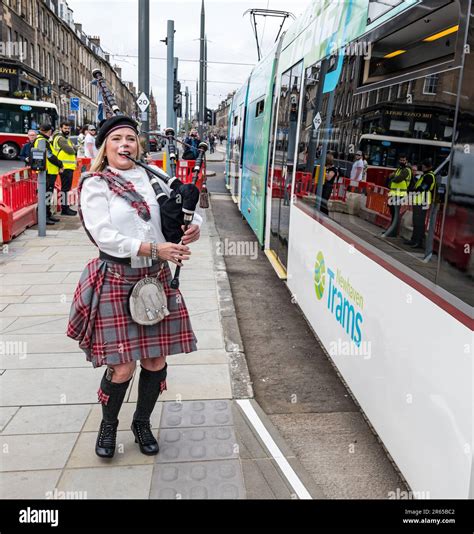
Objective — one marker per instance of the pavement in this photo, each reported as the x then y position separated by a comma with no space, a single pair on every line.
215,441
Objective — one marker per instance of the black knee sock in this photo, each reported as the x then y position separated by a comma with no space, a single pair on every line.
111,395
150,385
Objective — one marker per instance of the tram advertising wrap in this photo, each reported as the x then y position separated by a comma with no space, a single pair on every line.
355,94
369,321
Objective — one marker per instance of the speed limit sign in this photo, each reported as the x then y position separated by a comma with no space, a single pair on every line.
143,102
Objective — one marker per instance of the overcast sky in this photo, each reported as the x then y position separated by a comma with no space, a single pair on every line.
230,39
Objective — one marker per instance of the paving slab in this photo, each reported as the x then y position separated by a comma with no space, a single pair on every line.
206,356
194,382
28,484
198,480
19,267
125,417
12,299
44,361
35,451
42,343
6,414
24,310
50,289
197,414
126,453
48,420
197,444
52,386
127,482
38,325
5,322
63,298
8,289
67,267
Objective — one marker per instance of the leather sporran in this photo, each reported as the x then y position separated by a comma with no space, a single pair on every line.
148,303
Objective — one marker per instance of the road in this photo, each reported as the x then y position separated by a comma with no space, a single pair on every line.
7,165
293,380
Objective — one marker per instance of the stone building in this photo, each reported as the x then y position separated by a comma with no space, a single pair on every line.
45,55
222,115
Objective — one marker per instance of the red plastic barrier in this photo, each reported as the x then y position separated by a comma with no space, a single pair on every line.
377,199
83,165
184,171
158,163
18,200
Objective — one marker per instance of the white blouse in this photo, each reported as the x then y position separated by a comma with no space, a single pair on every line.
114,224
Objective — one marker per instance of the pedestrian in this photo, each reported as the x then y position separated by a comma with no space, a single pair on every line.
66,153
357,171
25,152
398,182
212,142
90,149
146,156
120,213
422,195
366,167
53,166
332,174
191,151
80,142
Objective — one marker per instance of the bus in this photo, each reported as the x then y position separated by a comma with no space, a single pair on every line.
383,152
388,78
17,116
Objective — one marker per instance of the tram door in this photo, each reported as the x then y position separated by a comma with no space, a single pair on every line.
284,161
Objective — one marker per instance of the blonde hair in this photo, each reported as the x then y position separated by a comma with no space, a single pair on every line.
100,161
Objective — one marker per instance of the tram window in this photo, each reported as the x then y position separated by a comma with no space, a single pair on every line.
422,43
236,120
385,129
378,8
260,107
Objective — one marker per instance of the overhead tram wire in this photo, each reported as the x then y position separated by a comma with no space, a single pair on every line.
189,60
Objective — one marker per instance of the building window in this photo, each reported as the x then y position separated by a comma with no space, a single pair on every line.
431,84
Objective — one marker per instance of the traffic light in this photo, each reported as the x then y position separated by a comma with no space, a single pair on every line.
177,95
208,116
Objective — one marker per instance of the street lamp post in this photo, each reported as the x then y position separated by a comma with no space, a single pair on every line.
144,60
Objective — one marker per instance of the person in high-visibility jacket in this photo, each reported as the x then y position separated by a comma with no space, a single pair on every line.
398,184
66,153
53,166
422,195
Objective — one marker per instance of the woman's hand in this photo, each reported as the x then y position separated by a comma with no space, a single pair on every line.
192,234
173,252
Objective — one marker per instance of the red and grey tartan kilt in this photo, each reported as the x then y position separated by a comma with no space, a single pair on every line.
100,319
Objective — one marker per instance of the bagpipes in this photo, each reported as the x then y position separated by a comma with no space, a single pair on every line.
176,210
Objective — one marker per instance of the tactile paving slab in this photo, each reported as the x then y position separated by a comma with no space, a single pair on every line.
197,444
197,414
200,480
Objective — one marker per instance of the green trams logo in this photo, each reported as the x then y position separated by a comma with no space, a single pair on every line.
319,275
343,301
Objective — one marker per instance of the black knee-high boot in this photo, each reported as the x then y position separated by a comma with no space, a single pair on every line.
150,385
111,396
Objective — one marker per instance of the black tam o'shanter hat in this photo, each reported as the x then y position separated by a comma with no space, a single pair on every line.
114,123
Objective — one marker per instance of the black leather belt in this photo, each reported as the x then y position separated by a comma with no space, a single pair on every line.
123,261
113,259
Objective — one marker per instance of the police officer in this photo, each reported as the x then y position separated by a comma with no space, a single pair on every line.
53,164
66,153
398,184
422,198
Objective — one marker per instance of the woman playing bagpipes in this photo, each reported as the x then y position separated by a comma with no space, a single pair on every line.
120,213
